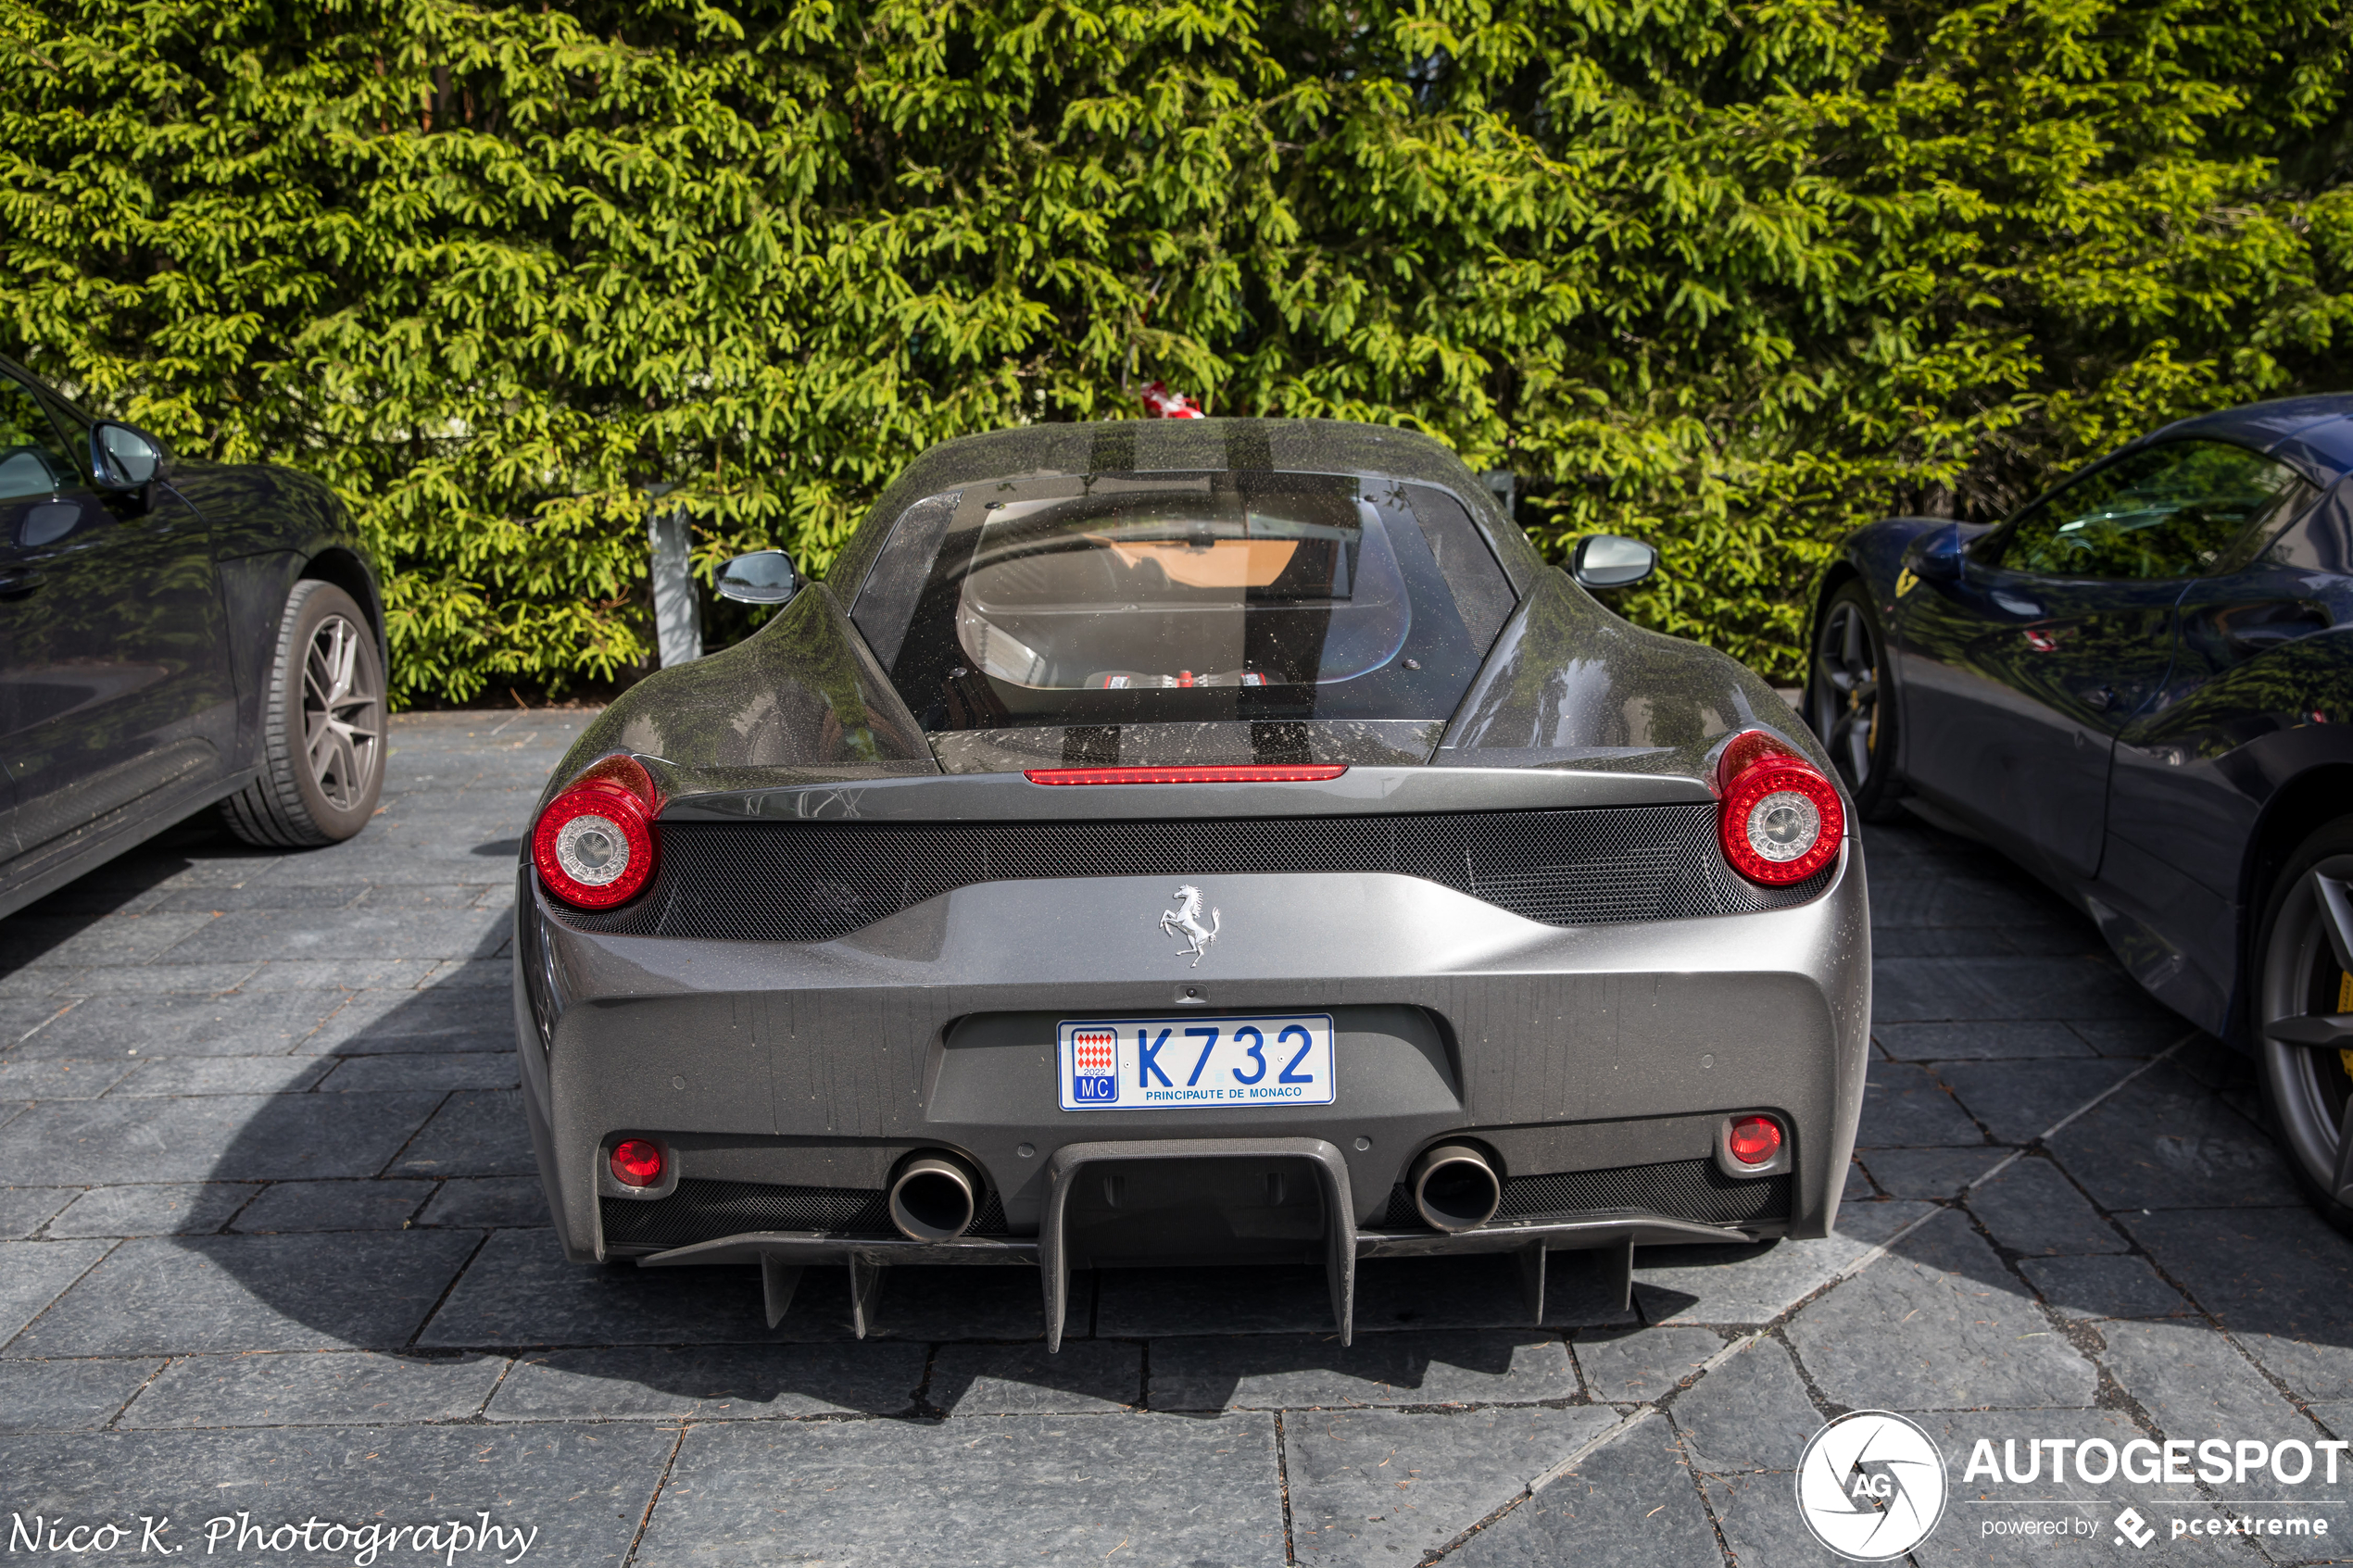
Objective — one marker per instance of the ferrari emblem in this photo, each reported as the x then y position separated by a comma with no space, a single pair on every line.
1184,920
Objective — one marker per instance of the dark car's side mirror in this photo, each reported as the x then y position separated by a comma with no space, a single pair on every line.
1612,560
125,457
763,577
1938,559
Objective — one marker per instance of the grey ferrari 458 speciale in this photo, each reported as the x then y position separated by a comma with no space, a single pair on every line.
1202,842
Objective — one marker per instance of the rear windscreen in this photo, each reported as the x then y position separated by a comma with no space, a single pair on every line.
1136,598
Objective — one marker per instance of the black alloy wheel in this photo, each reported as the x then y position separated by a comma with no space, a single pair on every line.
2303,1000
1842,700
322,727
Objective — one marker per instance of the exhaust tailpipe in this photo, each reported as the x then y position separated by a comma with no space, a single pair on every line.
1454,1187
933,1196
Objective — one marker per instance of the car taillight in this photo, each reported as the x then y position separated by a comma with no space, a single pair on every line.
1780,819
1754,1139
637,1163
593,844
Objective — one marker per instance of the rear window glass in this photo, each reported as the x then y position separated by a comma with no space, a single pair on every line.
1169,597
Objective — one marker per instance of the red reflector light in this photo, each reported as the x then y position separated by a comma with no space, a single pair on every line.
1754,1139
637,1163
1780,819
1232,772
594,844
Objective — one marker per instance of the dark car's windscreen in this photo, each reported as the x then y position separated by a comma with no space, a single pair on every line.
1143,598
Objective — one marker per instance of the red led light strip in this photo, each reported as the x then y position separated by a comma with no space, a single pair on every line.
1230,773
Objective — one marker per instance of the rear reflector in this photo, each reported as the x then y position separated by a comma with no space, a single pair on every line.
1756,1139
637,1163
1234,773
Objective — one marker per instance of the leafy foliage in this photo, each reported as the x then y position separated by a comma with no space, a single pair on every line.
1733,277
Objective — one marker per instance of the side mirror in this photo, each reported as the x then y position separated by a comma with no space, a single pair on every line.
1939,557
763,577
1611,561
125,457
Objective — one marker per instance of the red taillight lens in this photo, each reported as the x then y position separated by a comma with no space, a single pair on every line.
1754,1140
1222,773
637,1163
1780,821
595,844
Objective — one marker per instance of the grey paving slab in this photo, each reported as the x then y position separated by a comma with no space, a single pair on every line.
711,1383
2032,1208
2103,1288
1751,1284
34,1273
1255,1372
2336,1416
583,1490
521,1291
1857,1185
1904,1106
32,941
2000,989
424,1070
406,1022
488,975
1972,1530
1750,1413
195,1294
283,934
488,1202
181,1022
62,1077
289,1207
1086,1376
478,1134
20,1016
985,1491
267,893
2019,1101
2280,1280
68,1396
1384,1486
222,1137
23,1209
2194,1382
2137,1037
1978,1042
1633,1499
315,1388
165,1209
435,896
157,1079
345,974
1641,1365
1930,1172
1938,1324
2163,1142
128,981
1756,1511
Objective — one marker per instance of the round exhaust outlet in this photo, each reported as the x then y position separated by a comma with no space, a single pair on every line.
933,1198
1454,1187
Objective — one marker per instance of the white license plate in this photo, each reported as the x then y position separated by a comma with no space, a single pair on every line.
1195,1062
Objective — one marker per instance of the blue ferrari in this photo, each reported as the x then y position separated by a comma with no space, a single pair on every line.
2140,688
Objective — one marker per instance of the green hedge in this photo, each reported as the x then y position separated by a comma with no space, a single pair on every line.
1728,276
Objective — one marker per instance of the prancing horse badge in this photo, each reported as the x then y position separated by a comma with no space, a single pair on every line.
1185,921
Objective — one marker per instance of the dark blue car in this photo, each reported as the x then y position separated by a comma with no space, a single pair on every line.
2141,688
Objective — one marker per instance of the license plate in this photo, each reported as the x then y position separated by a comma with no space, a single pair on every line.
1195,1062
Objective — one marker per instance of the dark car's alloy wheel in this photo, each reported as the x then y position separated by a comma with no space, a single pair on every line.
2304,1014
1843,703
322,727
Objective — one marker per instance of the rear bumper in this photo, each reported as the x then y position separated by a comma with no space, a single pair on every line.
1595,1065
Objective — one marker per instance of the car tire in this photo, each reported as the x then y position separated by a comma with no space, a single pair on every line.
322,727
2300,980
1844,689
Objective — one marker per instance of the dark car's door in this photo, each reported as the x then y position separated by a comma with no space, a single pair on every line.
114,670
2020,673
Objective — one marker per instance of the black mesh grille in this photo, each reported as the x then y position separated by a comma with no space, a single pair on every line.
811,882
1681,1189
705,1211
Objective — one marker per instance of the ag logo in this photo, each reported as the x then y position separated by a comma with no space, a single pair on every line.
1870,1486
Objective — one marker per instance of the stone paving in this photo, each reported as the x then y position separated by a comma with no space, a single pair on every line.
276,1260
